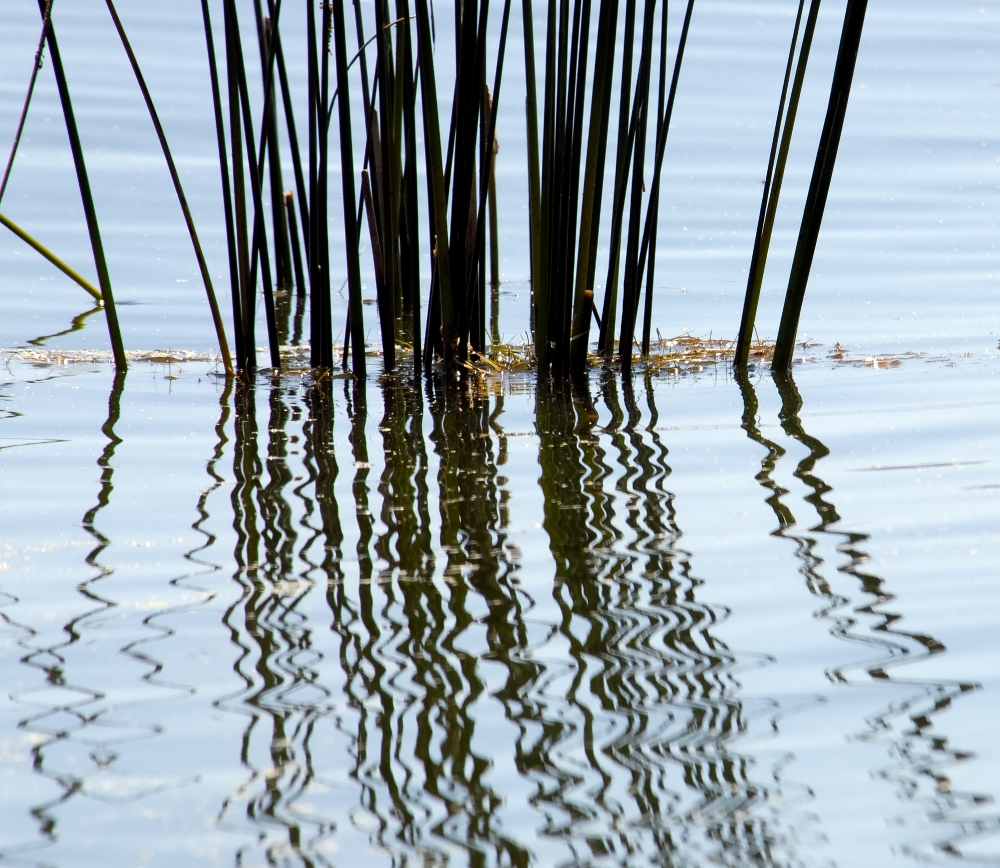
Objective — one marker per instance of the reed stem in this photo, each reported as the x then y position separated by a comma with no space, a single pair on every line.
36,66
784,125
819,188
51,257
103,278
213,304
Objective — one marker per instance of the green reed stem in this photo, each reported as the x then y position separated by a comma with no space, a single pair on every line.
349,197
819,188
51,257
773,181
539,296
435,179
626,132
652,212
103,278
37,65
213,304
593,184
227,195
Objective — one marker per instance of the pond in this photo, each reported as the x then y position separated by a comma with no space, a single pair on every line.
680,618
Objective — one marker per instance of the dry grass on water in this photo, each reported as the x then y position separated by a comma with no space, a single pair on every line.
680,355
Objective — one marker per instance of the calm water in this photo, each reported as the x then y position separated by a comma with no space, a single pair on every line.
671,621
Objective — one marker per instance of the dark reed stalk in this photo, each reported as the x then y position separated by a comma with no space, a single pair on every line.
819,188
350,221
246,343
256,165
387,169
593,184
294,242
37,65
227,195
300,276
293,138
654,211
494,225
51,257
103,278
282,253
488,137
539,295
410,220
213,304
783,127
437,197
632,282
373,230
652,214
317,356
626,132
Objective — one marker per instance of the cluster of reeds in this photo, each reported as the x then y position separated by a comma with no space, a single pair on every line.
569,164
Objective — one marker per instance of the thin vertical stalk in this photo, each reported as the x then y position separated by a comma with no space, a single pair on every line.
631,285
435,180
227,195
593,184
293,243
773,180
293,139
103,278
819,188
213,304
626,130
37,65
259,238
538,276
652,213
247,353
316,330
411,217
347,171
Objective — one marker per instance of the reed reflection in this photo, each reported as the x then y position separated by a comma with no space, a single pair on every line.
283,696
923,754
652,690
432,700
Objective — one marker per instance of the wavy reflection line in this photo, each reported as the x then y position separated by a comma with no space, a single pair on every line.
283,696
923,755
652,690
76,325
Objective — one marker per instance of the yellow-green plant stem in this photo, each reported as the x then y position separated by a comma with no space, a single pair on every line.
51,257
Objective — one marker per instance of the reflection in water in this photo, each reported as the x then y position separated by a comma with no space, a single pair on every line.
410,690
922,757
76,325
619,705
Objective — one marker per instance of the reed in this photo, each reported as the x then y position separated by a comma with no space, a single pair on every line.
273,246
227,194
51,257
213,304
90,212
325,356
819,187
35,67
783,127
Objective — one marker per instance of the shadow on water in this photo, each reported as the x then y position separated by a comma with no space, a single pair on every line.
922,757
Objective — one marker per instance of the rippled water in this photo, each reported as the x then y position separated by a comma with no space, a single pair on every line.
680,621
